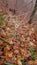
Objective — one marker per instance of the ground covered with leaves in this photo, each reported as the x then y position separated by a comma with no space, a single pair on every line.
18,41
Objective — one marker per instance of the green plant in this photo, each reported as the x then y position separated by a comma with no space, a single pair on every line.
33,56
2,22
7,63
